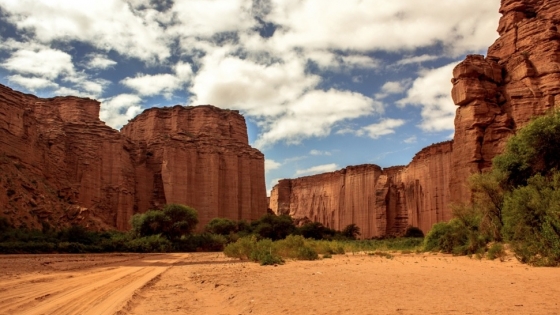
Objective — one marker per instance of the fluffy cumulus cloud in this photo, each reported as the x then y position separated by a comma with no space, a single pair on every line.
45,63
384,127
392,25
33,83
99,61
143,84
108,24
317,170
116,111
270,165
314,115
431,91
392,87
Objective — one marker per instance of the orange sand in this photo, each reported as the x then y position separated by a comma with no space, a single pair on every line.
209,283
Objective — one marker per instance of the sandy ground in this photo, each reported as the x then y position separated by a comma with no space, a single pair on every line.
209,283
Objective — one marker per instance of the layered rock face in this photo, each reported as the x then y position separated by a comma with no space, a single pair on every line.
356,194
380,201
61,165
496,95
198,156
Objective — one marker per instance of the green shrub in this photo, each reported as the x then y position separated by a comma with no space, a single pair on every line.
204,242
264,252
412,231
306,253
532,220
496,251
351,231
221,226
454,237
242,248
149,244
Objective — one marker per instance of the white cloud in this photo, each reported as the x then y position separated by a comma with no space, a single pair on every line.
106,25
327,60
183,71
318,152
145,84
205,18
45,63
270,165
432,92
385,127
416,59
118,110
392,25
393,87
99,61
411,139
32,83
317,170
315,114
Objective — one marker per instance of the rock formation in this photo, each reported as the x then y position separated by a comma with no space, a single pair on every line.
61,165
496,95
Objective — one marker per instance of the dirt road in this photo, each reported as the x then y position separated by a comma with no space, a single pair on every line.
209,283
99,285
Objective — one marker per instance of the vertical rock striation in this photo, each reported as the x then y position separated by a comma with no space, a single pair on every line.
198,156
61,165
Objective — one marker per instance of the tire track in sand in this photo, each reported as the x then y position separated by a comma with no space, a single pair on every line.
103,291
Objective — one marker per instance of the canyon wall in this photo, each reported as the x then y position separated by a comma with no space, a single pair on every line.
496,95
380,201
61,165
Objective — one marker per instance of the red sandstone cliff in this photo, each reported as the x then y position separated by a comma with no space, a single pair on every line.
197,156
496,95
60,164
380,201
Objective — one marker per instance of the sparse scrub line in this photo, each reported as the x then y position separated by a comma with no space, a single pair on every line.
296,247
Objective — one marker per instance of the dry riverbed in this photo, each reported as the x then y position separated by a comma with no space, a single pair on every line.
209,283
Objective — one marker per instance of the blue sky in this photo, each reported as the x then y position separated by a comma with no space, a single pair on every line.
323,84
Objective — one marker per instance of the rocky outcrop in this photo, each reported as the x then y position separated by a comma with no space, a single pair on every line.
496,95
61,165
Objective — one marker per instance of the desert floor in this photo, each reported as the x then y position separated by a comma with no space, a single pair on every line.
209,283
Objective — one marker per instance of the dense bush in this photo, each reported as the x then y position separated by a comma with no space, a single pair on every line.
221,226
173,222
455,237
273,227
412,231
532,220
351,231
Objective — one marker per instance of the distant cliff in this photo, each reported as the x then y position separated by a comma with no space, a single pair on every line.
61,165
496,95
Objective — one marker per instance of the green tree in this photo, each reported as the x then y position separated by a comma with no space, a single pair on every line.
221,226
182,220
532,220
533,150
351,231
274,227
173,222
